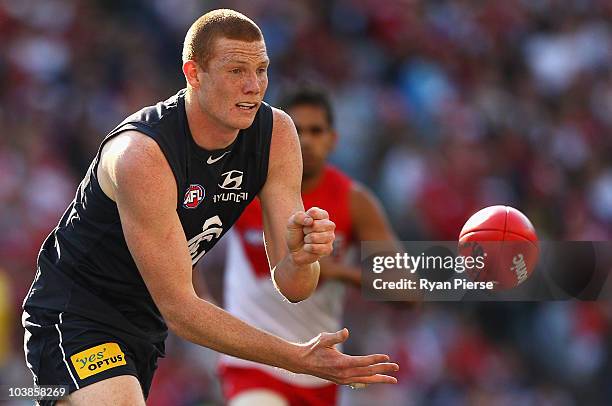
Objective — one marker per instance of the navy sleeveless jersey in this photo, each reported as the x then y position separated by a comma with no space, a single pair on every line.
85,267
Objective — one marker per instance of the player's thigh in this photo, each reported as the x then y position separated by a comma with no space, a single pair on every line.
258,397
123,390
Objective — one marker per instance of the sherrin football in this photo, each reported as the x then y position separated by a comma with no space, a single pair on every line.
506,240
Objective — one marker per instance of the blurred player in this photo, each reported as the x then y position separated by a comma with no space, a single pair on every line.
166,184
248,293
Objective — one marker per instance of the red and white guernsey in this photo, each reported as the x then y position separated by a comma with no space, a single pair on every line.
249,291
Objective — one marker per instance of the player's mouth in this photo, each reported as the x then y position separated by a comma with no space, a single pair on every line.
246,106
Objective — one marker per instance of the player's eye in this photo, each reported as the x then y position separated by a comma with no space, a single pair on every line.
313,130
236,71
261,71
316,130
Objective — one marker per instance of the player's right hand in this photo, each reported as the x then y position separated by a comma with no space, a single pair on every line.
321,358
310,235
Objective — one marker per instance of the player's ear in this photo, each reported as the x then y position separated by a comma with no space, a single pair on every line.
190,70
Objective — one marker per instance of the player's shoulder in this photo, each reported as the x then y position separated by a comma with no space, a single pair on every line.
359,194
134,156
282,122
132,162
362,199
285,145
134,147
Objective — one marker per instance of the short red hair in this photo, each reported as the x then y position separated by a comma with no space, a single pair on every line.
221,23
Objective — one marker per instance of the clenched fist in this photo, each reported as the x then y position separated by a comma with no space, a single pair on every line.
310,235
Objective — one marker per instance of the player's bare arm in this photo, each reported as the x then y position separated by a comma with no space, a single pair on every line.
369,220
131,166
295,239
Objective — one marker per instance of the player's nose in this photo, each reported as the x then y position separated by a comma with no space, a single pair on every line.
305,138
251,84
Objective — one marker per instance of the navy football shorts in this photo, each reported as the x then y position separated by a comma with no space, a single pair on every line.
66,349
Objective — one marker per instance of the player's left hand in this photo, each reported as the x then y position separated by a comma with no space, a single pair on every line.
321,357
310,235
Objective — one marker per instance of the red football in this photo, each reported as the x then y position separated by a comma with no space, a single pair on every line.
507,241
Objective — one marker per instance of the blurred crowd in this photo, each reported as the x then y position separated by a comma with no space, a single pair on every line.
443,107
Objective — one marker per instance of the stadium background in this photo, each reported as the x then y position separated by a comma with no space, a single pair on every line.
443,107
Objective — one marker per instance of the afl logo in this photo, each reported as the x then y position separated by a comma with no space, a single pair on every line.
194,196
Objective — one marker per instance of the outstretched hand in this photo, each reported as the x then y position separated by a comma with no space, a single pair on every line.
322,359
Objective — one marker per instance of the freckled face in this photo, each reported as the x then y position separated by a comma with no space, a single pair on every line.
234,82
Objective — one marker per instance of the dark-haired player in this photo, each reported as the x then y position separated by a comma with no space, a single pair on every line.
165,186
247,291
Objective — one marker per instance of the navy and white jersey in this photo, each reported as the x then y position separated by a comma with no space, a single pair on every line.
85,267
